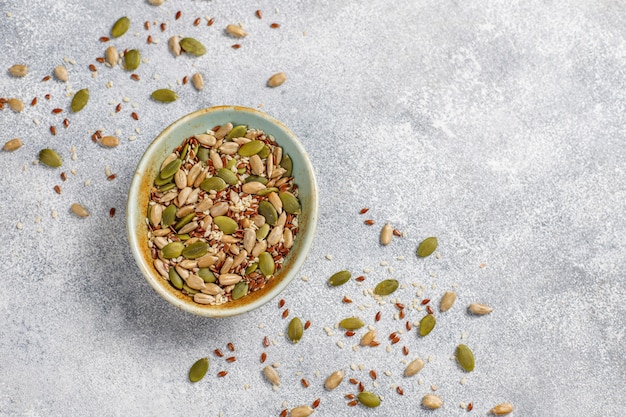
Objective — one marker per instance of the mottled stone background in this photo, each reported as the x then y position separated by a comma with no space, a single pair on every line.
496,126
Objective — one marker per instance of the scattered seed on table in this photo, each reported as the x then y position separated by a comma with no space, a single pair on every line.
231,359
361,387
405,350
281,303
210,22
47,96
275,25
364,210
350,396
53,130
118,107
304,382
178,15
104,39
369,222
346,300
163,26
263,357
349,333
429,309
307,324
425,301
112,177
185,79
149,39
230,347
236,46
266,341
146,25
134,116
470,406
222,374
399,390
259,14
284,413
66,123
196,22
57,189
316,403
373,374
377,317
46,78
352,403
353,381
285,313
63,176
218,353
33,102
360,278
112,212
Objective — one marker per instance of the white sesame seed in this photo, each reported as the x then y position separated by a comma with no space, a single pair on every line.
390,269
360,307
246,386
54,214
261,326
438,255
39,230
434,387
36,121
317,373
353,366
463,335
420,381
355,347
388,348
375,384
463,406
329,257
132,138
367,270
126,100
298,373
463,381
431,358
388,373
340,344
38,219
384,263
276,365
19,225
400,258
361,366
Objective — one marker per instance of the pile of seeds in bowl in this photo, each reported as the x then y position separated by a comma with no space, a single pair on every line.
223,214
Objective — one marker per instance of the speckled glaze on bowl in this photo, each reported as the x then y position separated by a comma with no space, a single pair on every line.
148,168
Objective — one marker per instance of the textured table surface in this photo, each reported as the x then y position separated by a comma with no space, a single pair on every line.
496,126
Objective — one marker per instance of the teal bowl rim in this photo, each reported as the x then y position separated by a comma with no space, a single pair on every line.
136,228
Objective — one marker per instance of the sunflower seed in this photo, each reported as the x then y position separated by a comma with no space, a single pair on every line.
287,239
109,141
18,70
12,145
197,81
223,130
386,234
202,298
174,45
236,31
79,210
156,214
16,104
271,375
368,338
502,409
447,300
155,2
277,79
110,55
301,411
479,309
229,279
414,367
431,401
61,73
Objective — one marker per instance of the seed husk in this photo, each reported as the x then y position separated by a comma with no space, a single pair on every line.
479,309
120,27
351,323
295,330
109,141
447,300
197,81
50,157
12,145
226,224
79,210
132,59
414,367
271,375
339,278
111,55
427,324
172,250
18,70
236,31
251,148
195,250
386,287
16,104
266,264
237,132
334,380
169,216
80,100
432,402
369,399
290,203
199,369
228,176
267,210
502,409
61,73
427,247
193,46
213,183
386,234
241,289
164,95
465,357
175,279
276,79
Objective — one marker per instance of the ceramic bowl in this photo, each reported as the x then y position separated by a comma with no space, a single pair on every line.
148,168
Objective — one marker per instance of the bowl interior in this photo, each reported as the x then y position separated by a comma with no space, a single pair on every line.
148,168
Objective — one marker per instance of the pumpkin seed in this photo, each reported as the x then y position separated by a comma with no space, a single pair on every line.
203,154
132,59
261,232
189,290
465,357
241,289
50,157
427,247
351,323
265,152
266,191
251,268
237,132
294,330
339,278
227,175
369,399
256,178
386,287
184,236
164,95
162,181
287,163
432,402
193,46
427,324
80,100
213,183
207,275
290,203
166,187
120,27
183,153
266,264
169,215
227,225
171,168
196,250
175,279
172,250
199,369
502,409
267,210
251,148
186,219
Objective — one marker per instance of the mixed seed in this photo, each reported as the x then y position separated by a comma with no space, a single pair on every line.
223,215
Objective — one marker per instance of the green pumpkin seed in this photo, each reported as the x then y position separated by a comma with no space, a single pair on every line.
351,323
196,250
267,210
172,250
427,324
339,278
262,231
132,59
50,157
369,399
170,169
166,187
189,290
163,181
207,275
266,191
164,95
120,27
266,264
179,225
265,152
295,330
213,183
231,163
80,100
241,289
227,225
287,163
192,46
169,215
184,237
465,357
199,369
237,132
256,178
241,170
290,203
175,279
203,154
427,247
183,153
251,148
228,176
251,268
386,287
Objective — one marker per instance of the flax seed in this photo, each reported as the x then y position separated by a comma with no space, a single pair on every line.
56,111
275,25
281,303
307,324
134,77
222,374
63,176
134,116
360,278
364,210
304,382
196,22
100,60
146,25
470,406
34,102
361,388
395,340
53,130
399,390
149,39
104,39
350,396
401,314
316,403
57,189
218,353
377,317
266,341
399,306
350,333
46,78
408,325
285,313
373,374
352,403
178,15
259,14
47,96
231,359
405,350
66,123
263,357
369,222
346,300
393,335
118,107
425,301
284,413
236,46
353,381
92,68
185,80
210,22
163,26
112,212
230,346
112,177
429,309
